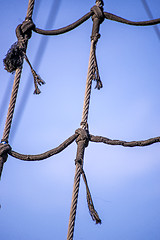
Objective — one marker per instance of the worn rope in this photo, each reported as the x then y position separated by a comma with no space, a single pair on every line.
80,148
44,155
113,17
124,143
14,93
81,144
107,15
64,29
67,142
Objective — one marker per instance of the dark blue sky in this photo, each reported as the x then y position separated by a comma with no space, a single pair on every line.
35,197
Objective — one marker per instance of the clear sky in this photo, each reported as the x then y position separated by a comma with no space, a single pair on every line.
35,197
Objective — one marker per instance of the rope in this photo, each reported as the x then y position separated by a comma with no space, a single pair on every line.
14,92
124,143
92,138
113,17
81,147
44,155
107,15
64,29
14,62
81,144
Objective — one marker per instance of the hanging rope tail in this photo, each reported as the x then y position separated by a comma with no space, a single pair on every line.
91,208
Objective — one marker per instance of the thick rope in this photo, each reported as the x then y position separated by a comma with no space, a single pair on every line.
67,142
124,143
44,155
107,15
64,29
14,93
113,17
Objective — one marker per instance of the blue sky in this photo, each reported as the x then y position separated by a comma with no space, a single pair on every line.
35,197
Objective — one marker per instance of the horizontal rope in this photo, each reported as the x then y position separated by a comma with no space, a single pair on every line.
124,143
64,29
113,17
44,155
92,138
107,15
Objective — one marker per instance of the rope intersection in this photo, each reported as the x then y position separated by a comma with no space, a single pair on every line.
13,62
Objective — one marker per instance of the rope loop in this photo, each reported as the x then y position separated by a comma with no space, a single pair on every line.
83,136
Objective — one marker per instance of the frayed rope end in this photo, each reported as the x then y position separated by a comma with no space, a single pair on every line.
14,58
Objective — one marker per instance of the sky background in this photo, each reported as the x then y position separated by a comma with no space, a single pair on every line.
35,197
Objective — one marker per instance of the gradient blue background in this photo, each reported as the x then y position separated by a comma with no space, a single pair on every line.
35,197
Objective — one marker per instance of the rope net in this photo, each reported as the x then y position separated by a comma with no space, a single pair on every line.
14,63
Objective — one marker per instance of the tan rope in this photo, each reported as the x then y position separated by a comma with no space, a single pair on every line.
81,145
14,94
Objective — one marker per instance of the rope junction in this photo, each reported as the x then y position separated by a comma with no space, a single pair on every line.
13,62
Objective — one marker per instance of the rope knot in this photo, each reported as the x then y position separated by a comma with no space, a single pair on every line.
17,52
5,148
83,135
27,26
98,13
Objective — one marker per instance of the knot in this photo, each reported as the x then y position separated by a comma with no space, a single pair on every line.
83,136
98,13
24,30
98,18
17,52
27,26
5,148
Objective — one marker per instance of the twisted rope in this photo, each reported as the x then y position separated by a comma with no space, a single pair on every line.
81,146
97,19
14,93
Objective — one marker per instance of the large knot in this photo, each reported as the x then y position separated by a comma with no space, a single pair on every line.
15,55
5,148
83,135
17,52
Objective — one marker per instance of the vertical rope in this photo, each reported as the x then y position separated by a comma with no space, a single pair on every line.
14,95
81,145
88,87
